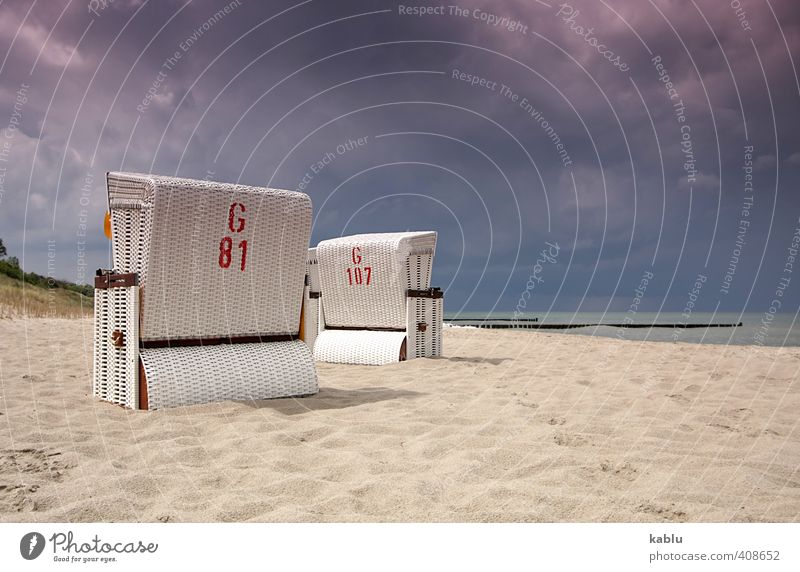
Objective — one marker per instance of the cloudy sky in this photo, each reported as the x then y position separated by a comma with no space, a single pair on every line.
652,141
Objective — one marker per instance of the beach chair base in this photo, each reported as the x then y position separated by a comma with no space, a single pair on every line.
116,339
159,377
424,318
422,337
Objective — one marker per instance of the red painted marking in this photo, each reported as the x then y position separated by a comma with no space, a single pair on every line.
225,246
232,214
243,246
226,243
355,274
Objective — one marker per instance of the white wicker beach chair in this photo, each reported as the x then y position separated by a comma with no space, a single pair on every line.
370,300
204,302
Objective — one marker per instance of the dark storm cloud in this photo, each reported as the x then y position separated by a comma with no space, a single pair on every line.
262,93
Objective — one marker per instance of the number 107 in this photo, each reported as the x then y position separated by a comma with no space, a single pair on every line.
356,275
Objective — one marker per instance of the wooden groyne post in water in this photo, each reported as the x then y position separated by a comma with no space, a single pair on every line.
533,324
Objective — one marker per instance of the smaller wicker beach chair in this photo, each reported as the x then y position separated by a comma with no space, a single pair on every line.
370,301
204,301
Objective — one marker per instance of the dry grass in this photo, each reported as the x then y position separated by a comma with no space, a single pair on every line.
19,300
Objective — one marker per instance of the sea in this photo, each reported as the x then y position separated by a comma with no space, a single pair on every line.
756,329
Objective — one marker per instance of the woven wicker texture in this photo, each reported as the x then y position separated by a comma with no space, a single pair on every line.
214,259
116,369
428,341
310,319
312,269
364,347
201,374
418,271
130,204
364,278
131,230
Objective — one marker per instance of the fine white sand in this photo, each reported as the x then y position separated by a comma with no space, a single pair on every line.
507,426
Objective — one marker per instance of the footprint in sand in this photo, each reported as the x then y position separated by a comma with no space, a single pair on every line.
569,440
732,419
779,480
623,470
17,498
679,398
740,412
525,402
669,514
723,427
32,461
34,464
556,421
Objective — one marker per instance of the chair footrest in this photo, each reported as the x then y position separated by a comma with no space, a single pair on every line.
200,374
364,347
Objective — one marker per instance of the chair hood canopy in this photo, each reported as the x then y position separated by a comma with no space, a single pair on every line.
214,259
365,277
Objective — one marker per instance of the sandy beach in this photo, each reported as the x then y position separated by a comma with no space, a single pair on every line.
507,426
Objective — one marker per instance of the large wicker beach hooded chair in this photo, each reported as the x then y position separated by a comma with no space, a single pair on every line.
370,300
204,301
